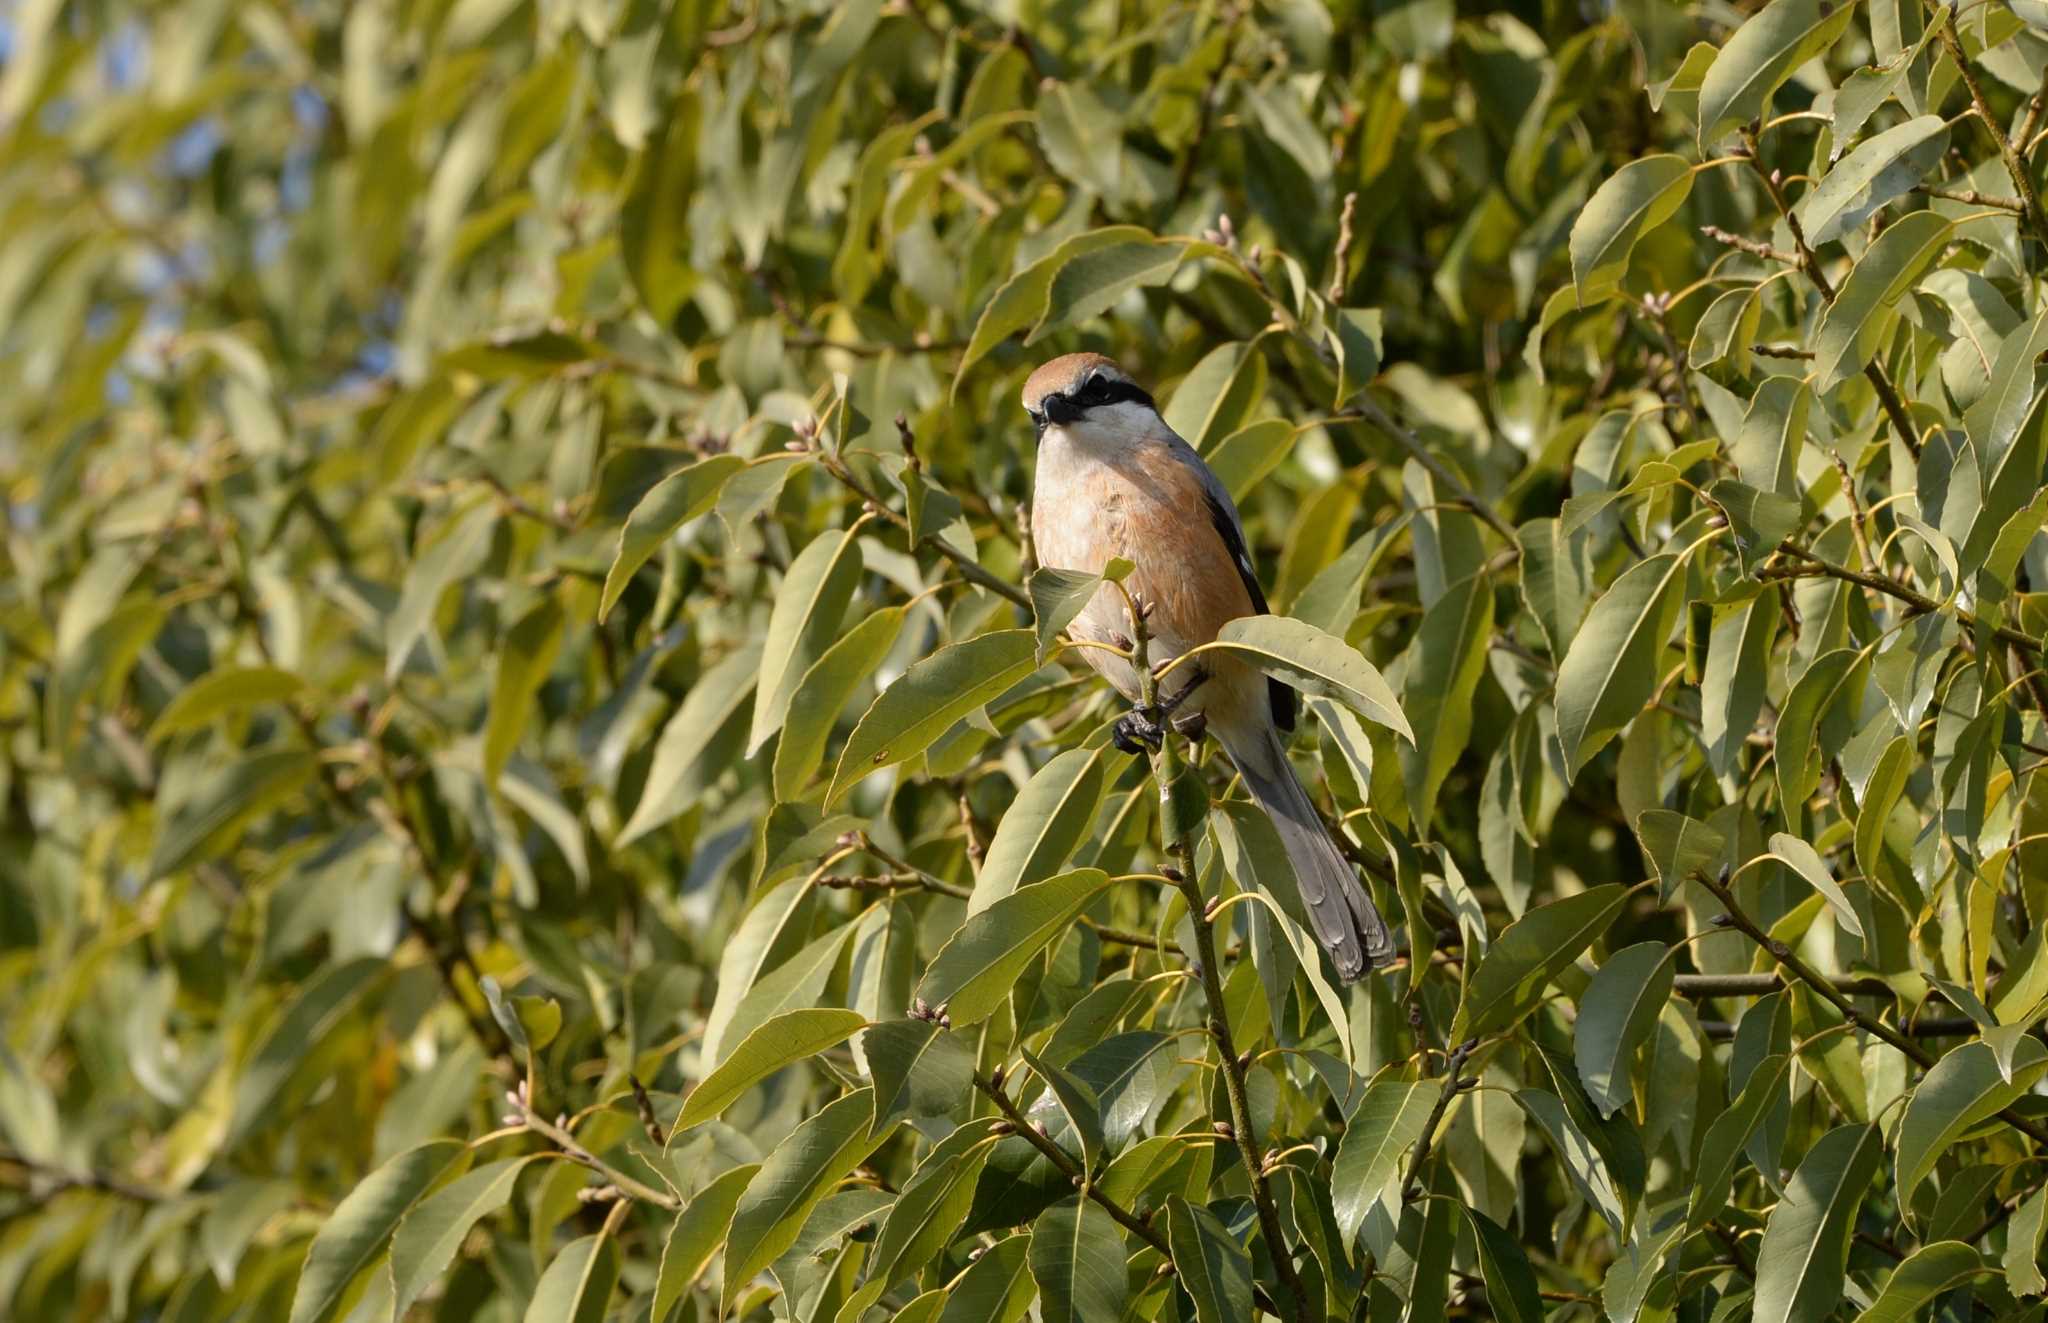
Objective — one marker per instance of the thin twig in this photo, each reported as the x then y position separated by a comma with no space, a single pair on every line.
1753,247
1973,198
1454,1084
522,1114
2022,179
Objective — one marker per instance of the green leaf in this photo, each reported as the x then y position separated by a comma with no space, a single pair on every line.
919,1070
1634,200
1856,327
1557,579
1804,860
823,693
1058,596
1318,664
352,1241
205,823
1733,688
1761,55
456,553
1077,1101
1727,330
1876,174
2023,1247
577,1287
686,494
1616,1014
654,232
296,1034
1676,847
805,621
1213,1267
1044,825
427,1241
1445,660
1827,682
1022,301
776,1042
1925,1273
1530,952
927,699
1961,1091
1800,1266
798,1173
976,968
712,701
1371,1157
1077,1259
996,1288
1757,520
1511,1289
1615,659
218,692
695,1236
524,661
1584,1164
1092,282
1359,332
928,1215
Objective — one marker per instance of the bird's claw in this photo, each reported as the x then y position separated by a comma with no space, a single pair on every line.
1192,727
1137,730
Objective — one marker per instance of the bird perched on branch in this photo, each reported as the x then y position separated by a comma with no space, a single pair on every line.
1115,481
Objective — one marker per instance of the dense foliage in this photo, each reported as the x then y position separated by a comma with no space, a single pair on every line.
540,779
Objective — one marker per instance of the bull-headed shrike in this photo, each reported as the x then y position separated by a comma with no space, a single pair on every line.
1114,480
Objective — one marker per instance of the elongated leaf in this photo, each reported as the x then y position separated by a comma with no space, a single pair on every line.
711,702
1213,1267
427,1240
1964,1087
1077,1101
577,1287
218,692
797,1174
1858,324
776,1042
803,624
668,505
927,699
1077,1259
1583,1162
1613,666
525,659
1091,282
1676,847
1878,172
977,967
1445,661
1728,1138
459,547
996,1288
1511,1289
1805,1249
1021,302
1050,818
696,1235
2023,1246
230,798
919,1070
1806,861
1058,596
823,694
1619,1009
1733,688
929,1213
1532,950
1925,1274
1318,664
1760,57
297,1032
1635,199
1557,579
1378,1140
353,1240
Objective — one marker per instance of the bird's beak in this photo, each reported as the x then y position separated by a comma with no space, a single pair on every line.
1060,410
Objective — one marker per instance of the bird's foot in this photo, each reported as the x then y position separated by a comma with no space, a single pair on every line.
1192,727
1138,730
1198,675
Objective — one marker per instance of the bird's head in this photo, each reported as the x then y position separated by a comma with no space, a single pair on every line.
1088,395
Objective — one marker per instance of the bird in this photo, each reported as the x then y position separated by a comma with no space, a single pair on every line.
1115,480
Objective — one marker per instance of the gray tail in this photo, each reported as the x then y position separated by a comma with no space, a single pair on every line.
1340,913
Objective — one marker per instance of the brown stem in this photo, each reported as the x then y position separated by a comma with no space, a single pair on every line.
970,569
524,1114
1411,1184
1973,198
2030,198
1890,587
1789,959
